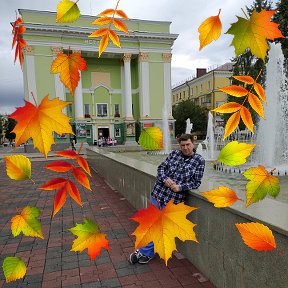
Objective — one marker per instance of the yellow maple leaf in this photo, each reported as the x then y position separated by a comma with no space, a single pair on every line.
235,153
68,66
252,33
222,197
67,11
89,237
14,268
162,226
151,138
18,167
40,122
261,183
27,223
209,30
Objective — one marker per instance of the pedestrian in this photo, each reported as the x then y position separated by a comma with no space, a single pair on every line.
73,144
181,171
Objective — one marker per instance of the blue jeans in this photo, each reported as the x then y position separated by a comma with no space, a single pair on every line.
149,249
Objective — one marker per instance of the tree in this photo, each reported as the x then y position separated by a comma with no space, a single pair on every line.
281,17
248,64
10,126
187,109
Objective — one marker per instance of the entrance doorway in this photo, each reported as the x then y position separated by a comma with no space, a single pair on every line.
103,132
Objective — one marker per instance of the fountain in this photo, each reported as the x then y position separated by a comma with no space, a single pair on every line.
189,126
272,136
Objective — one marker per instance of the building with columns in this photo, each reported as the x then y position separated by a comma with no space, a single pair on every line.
120,93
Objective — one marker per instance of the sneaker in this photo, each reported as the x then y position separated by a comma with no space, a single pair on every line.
144,259
134,257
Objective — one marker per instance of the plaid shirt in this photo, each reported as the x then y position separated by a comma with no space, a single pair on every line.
185,172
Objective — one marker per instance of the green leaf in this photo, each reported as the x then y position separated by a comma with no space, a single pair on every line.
13,268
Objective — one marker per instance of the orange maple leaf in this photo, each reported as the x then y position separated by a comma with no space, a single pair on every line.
68,66
162,226
252,33
209,30
257,236
89,237
40,122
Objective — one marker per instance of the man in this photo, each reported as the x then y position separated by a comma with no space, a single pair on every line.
181,171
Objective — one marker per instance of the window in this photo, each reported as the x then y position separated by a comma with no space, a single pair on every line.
196,90
117,110
209,87
173,98
184,94
86,109
201,88
117,132
102,110
219,103
180,95
70,110
177,97
191,91
88,133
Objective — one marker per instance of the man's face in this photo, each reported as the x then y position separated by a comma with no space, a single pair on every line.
187,147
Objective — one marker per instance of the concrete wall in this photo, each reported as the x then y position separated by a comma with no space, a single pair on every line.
221,255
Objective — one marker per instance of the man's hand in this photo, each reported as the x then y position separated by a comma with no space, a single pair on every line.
175,187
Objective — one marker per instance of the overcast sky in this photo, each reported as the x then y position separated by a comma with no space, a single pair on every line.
185,15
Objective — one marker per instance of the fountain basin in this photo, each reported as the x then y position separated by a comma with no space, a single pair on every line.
221,255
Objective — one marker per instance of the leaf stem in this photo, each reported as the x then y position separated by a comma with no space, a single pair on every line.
244,13
219,12
214,162
280,251
241,199
272,171
75,161
32,180
34,98
18,210
113,14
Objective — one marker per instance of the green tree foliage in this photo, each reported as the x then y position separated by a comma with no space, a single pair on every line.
281,17
187,109
10,126
248,64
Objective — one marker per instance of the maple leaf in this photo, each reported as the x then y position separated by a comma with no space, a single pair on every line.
151,138
40,122
209,30
89,237
14,268
18,167
257,236
27,223
162,226
68,66
67,11
252,33
235,153
261,183
222,197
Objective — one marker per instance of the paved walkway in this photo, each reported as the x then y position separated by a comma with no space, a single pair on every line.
50,264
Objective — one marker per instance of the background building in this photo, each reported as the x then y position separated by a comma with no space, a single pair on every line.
204,91
121,91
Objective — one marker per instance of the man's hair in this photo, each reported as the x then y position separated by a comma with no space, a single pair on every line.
185,137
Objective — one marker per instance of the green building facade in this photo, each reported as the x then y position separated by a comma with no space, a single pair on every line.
120,93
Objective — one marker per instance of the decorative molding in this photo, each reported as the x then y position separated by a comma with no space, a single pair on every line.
76,51
127,57
128,119
28,50
145,117
56,50
143,57
167,57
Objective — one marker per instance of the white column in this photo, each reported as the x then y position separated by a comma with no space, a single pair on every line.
28,52
144,85
78,98
128,92
59,86
167,82
123,88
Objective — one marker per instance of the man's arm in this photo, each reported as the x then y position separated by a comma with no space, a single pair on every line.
194,181
162,169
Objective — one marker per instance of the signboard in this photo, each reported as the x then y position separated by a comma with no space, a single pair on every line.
80,130
130,131
147,125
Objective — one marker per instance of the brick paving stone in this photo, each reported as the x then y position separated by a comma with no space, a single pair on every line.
51,264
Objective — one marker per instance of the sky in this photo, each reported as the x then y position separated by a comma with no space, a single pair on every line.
186,16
